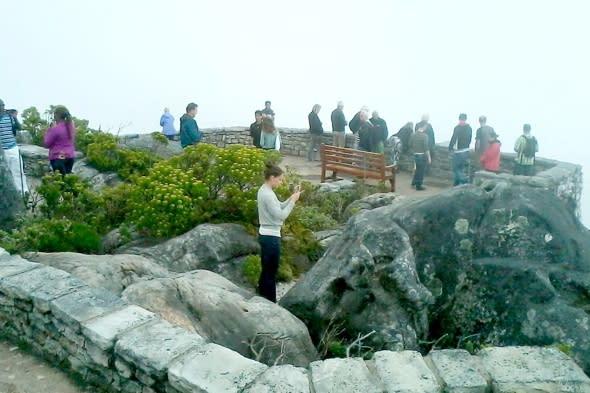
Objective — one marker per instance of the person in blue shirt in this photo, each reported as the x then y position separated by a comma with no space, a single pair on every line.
167,123
189,130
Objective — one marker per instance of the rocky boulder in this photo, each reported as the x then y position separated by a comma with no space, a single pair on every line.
207,246
11,202
366,281
148,143
97,180
221,312
503,265
112,272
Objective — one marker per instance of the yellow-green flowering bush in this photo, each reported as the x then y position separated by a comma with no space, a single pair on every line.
204,184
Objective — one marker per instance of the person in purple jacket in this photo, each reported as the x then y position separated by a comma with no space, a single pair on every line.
60,140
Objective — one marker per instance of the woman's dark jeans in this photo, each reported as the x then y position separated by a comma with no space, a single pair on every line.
63,166
270,253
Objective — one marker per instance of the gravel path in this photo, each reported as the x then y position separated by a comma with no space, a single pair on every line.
20,372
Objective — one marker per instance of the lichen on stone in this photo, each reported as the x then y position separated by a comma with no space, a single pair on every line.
462,226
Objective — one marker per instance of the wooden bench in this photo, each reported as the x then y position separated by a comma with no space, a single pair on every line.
356,163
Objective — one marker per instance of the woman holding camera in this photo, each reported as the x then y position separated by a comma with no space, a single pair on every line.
271,215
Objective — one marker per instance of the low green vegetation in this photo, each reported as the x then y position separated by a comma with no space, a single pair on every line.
160,199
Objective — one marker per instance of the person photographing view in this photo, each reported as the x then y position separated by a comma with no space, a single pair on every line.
271,215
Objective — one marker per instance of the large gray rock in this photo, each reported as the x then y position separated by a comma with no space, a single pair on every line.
148,143
112,272
97,180
222,312
207,246
505,266
366,281
11,202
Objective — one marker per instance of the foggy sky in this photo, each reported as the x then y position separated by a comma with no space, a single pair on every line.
118,63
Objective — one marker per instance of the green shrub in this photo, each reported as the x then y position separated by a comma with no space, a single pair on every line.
52,236
204,184
34,124
251,269
313,218
113,208
68,196
103,152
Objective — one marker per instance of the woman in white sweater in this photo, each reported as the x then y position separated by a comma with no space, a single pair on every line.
271,215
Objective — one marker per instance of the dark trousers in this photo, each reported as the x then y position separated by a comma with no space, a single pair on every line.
62,166
524,170
460,160
420,160
270,253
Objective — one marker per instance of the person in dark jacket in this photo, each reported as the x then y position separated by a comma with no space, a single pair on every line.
404,135
482,135
364,131
338,126
428,131
316,130
256,128
459,146
379,133
355,125
189,130
420,148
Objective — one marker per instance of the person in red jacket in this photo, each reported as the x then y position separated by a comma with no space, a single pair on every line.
490,158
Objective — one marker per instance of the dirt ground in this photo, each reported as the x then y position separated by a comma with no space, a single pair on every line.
21,372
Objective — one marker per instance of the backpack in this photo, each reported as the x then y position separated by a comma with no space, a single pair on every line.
530,147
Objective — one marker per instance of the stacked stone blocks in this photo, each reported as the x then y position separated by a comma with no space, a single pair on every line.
120,347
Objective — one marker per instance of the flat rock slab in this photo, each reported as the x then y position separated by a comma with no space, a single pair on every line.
15,265
405,372
458,371
22,285
281,379
83,304
533,369
154,345
349,375
103,330
213,368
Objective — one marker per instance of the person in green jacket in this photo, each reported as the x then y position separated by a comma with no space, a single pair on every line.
526,147
189,130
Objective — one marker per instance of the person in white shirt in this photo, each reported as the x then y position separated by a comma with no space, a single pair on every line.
271,215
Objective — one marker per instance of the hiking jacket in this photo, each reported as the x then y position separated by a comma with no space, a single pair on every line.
519,149
189,131
315,125
490,157
338,120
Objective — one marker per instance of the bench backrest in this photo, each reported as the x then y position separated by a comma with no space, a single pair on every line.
352,158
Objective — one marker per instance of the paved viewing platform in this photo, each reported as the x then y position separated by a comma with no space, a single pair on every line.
311,171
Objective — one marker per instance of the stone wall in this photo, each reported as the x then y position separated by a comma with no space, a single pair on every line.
293,140
124,348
